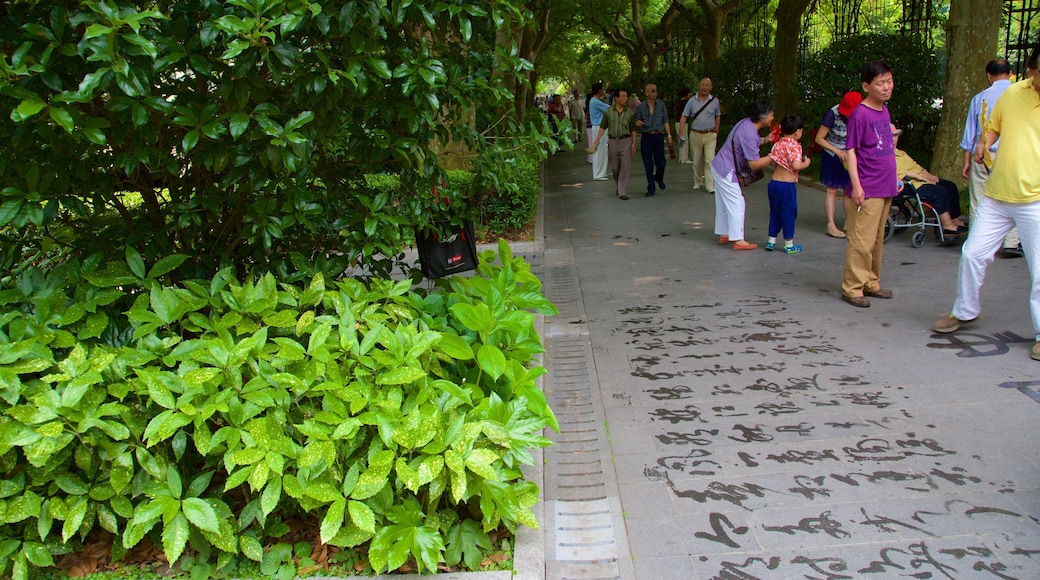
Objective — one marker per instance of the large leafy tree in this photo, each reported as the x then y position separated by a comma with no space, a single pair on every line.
232,131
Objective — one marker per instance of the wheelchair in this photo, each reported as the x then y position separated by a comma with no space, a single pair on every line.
910,212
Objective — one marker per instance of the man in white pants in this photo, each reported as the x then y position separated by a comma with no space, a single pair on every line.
997,73
1012,199
598,106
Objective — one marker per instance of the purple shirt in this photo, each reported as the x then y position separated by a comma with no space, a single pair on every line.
747,141
870,134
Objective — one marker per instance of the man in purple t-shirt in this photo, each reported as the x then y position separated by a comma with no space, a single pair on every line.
872,170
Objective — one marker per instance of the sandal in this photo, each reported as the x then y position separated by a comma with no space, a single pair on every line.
838,235
744,245
723,240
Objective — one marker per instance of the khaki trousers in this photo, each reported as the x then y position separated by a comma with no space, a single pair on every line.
619,155
977,178
702,152
865,227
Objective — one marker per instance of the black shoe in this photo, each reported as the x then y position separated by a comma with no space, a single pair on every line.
661,185
1012,252
650,194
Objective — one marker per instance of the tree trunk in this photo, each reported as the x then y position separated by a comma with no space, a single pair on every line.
971,42
785,55
531,40
715,12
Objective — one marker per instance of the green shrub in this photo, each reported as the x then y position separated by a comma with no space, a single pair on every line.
741,77
668,80
206,414
745,75
826,76
508,185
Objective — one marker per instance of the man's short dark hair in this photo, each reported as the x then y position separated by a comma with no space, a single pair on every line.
760,110
790,124
596,88
617,92
874,69
684,92
998,67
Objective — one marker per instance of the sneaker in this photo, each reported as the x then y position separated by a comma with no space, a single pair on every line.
949,324
1035,355
770,246
792,249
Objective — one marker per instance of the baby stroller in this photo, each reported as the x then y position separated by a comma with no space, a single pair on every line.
909,212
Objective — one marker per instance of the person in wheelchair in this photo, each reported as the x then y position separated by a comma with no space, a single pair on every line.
941,194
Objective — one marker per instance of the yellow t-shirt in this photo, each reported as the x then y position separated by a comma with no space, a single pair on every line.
1015,177
905,164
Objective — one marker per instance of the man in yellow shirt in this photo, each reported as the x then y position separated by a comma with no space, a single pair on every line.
1012,199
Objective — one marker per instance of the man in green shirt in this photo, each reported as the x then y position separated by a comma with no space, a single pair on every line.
620,124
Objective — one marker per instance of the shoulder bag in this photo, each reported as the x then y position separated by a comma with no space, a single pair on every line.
745,175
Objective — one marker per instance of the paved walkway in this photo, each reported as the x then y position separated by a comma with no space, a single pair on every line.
725,415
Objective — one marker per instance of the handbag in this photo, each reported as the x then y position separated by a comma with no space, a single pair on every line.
447,250
745,175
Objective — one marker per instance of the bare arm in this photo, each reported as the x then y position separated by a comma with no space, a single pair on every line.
984,145
760,163
857,187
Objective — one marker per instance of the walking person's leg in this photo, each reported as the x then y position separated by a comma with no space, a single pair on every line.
614,157
659,161
646,149
708,147
625,145
988,228
1027,222
683,148
599,159
701,175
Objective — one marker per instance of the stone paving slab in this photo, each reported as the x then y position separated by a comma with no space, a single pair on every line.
759,427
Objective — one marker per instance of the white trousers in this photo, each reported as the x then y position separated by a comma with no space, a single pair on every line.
977,178
600,164
729,206
993,220
592,135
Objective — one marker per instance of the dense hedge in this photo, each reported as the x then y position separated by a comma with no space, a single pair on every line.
206,414
744,75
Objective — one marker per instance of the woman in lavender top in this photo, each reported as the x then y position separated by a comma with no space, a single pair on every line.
743,143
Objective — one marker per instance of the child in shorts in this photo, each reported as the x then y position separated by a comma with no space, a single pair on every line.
783,197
